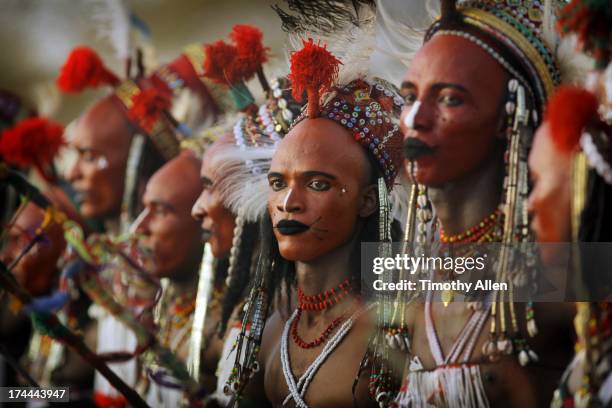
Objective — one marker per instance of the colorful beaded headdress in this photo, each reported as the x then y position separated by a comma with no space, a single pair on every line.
516,33
245,162
367,108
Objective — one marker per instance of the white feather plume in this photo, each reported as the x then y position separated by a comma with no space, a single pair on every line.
242,175
112,18
353,46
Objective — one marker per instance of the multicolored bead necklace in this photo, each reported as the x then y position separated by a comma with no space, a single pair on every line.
481,232
319,302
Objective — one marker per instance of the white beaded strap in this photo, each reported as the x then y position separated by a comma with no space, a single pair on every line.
298,390
489,50
594,157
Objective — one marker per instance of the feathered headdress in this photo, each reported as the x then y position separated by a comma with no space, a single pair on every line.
84,69
232,65
313,70
33,142
568,111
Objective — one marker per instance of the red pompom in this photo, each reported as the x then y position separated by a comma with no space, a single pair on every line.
148,106
314,70
569,110
248,42
83,69
220,63
32,142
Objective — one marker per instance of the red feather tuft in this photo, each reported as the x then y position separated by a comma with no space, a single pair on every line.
314,70
148,106
32,142
83,69
248,42
568,111
220,63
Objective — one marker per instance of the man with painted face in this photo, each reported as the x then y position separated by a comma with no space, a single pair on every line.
325,180
570,165
474,93
234,196
38,272
121,141
170,234
102,139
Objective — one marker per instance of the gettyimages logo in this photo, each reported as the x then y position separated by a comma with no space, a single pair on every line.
476,269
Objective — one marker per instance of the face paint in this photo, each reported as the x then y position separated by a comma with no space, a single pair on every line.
166,226
102,141
102,162
316,179
286,200
452,124
135,225
216,220
409,119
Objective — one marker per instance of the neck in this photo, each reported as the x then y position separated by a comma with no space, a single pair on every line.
327,271
463,203
185,283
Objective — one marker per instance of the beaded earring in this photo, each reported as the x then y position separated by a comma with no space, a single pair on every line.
514,263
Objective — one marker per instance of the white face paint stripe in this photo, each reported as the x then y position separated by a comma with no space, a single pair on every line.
286,200
409,120
102,162
138,220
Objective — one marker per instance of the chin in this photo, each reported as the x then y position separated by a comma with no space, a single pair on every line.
219,250
297,251
90,210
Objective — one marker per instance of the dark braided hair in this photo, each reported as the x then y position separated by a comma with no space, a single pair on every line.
240,279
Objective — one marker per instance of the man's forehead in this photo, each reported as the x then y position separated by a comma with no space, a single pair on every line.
450,58
176,179
103,124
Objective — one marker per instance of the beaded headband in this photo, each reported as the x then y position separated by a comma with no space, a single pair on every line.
517,25
369,110
272,119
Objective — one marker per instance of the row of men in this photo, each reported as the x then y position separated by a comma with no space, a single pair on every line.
285,193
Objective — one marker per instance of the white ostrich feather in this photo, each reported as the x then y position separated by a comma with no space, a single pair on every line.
353,45
242,178
112,18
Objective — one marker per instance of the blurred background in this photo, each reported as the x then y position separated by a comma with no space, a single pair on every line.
36,36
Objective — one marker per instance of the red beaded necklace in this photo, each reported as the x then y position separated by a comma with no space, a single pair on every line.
319,302
324,300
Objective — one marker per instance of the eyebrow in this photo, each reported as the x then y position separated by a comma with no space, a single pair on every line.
163,204
308,173
437,86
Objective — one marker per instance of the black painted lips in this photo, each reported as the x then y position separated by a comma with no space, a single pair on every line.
414,148
291,227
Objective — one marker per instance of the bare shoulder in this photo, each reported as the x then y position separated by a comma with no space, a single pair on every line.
271,334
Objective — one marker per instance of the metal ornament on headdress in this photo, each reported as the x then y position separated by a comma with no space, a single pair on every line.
205,287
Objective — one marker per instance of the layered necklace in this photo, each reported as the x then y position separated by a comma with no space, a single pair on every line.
319,302
175,326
